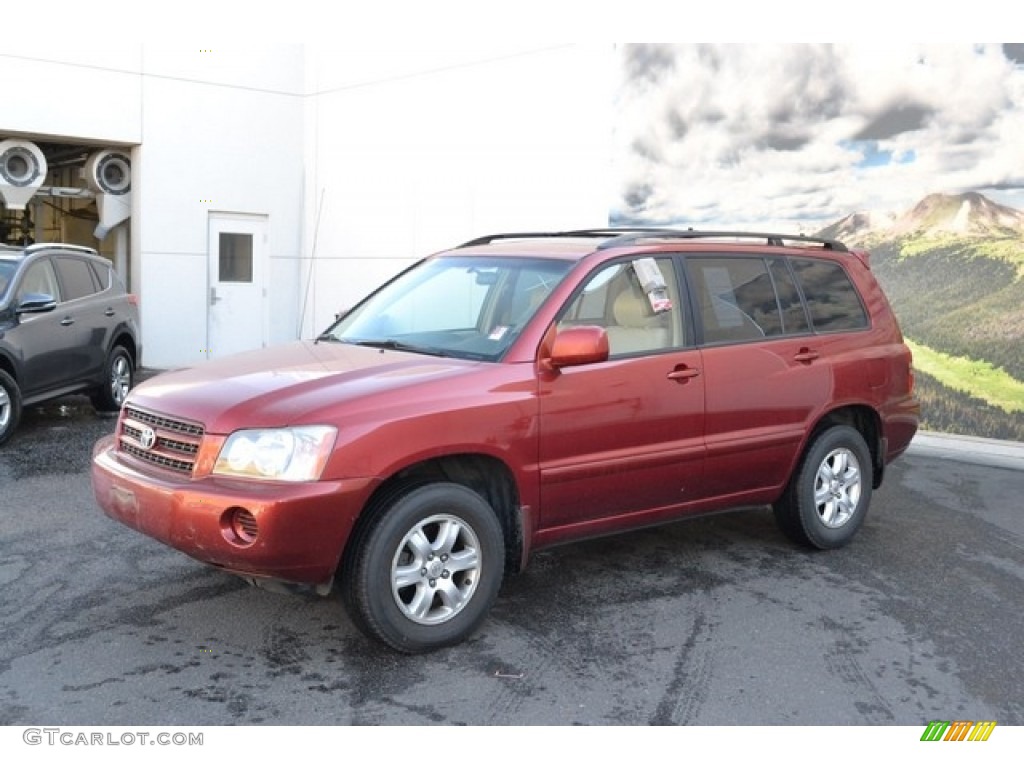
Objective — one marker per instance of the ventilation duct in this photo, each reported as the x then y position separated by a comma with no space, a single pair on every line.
22,172
109,174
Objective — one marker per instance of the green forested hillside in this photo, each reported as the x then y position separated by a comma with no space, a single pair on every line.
963,297
944,409
993,385
957,301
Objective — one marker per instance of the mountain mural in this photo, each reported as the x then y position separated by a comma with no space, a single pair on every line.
953,267
967,215
848,139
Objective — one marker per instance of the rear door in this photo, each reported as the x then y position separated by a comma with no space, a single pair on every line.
766,375
86,316
623,436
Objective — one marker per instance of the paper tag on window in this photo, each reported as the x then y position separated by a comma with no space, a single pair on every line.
653,283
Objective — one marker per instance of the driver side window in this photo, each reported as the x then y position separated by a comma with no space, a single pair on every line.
637,321
39,278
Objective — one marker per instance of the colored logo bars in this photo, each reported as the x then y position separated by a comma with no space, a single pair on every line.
958,730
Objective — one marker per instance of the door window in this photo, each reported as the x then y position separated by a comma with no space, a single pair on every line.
76,278
637,321
235,257
39,278
736,299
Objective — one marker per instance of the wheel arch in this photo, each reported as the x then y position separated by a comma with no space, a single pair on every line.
7,366
123,338
862,418
486,475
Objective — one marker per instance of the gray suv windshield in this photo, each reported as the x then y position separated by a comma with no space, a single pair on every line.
7,270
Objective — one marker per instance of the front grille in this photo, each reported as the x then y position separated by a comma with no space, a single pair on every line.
176,442
156,420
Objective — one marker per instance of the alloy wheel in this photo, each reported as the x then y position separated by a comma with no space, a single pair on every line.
837,487
435,570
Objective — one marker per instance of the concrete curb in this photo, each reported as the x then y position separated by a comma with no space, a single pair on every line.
969,449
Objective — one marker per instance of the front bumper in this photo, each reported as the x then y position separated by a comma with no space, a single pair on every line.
296,533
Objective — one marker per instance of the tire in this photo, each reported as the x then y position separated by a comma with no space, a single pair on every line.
829,494
400,584
10,406
118,378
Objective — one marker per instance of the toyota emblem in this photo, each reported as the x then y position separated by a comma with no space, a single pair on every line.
147,437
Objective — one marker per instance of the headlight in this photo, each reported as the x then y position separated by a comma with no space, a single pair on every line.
298,454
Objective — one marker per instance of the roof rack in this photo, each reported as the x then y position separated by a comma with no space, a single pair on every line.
769,238
62,246
606,232
622,236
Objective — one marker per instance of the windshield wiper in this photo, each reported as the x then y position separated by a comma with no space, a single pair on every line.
400,346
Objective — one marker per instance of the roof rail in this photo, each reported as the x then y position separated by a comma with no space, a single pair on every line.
622,236
531,235
770,238
62,246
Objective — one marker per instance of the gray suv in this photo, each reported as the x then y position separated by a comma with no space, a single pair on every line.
67,326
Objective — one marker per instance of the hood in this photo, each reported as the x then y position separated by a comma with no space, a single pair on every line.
300,383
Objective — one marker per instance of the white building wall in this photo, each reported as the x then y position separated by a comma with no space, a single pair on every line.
362,160
415,151
223,132
88,95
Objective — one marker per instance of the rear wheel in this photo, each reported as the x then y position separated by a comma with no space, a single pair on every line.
427,570
119,375
828,496
10,406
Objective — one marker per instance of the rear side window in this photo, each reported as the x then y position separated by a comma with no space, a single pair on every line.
794,318
832,301
76,278
103,275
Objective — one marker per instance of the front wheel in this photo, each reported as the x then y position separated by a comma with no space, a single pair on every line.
427,570
10,406
828,496
118,377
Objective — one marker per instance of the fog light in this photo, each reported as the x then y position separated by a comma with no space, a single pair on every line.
239,526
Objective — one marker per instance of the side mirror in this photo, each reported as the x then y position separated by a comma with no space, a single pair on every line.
579,345
35,302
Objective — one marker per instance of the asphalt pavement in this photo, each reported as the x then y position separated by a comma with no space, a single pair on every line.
711,621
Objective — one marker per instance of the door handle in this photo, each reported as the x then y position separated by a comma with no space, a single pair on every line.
683,374
214,298
806,355
67,321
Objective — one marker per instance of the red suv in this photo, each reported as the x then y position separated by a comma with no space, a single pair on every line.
517,392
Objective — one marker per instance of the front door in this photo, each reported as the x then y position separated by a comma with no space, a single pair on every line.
625,436
237,318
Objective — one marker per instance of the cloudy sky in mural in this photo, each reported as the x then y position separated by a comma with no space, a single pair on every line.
802,135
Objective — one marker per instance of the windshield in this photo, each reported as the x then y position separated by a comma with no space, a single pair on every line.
471,307
7,270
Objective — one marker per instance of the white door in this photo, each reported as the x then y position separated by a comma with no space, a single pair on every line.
237,296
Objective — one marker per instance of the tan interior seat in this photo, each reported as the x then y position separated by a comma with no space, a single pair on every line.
637,328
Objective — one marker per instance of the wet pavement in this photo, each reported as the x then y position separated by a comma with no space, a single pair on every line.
706,622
